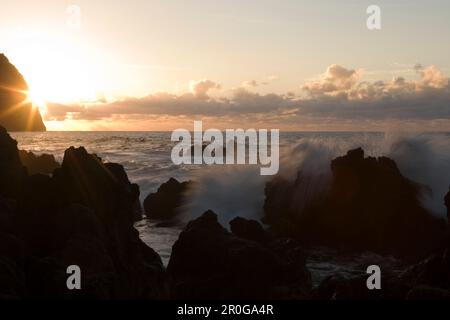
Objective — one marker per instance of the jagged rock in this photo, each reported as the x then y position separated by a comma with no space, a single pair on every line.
209,262
12,172
164,204
249,229
44,163
81,215
447,204
16,113
369,205
105,188
131,188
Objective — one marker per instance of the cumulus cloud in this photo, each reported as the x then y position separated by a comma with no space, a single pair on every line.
336,79
432,77
338,96
200,88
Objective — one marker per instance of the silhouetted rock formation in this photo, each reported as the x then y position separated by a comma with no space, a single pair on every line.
208,262
369,205
12,172
249,229
447,204
164,204
16,113
428,279
83,215
44,163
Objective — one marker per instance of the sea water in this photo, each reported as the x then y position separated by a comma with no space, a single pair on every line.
238,190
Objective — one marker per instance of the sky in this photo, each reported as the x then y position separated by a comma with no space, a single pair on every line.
287,64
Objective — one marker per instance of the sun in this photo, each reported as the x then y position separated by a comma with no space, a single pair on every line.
58,68
37,101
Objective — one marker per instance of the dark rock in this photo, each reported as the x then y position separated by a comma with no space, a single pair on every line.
369,205
164,204
81,215
447,204
16,113
427,293
7,212
37,207
355,288
131,188
12,172
105,188
12,277
44,163
208,262
433,271
249,229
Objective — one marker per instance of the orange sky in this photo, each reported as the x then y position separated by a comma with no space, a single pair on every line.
258,63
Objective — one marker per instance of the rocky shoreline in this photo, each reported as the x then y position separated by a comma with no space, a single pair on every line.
83,214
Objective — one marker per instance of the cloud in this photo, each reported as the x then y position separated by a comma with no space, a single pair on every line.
338,97
250,83
200,88
255,83
60,112
335,80
432,77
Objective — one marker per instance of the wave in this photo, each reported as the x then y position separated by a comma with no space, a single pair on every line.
239,190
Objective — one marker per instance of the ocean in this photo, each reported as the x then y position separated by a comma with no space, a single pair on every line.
238,190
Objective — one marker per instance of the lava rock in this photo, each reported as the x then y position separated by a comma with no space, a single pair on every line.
164,204
369,205
83,178
12,172
249,229
81,215
44,163
208,262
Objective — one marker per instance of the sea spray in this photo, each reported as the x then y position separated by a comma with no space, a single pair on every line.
146,157
239,191
424,158
229,191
